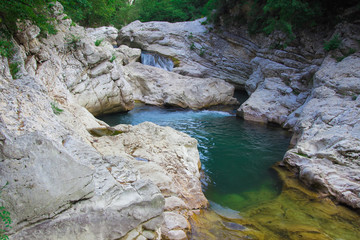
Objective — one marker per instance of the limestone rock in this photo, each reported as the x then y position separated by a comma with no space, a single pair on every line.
197,51
328,143
168,157
156,86
174,226
108,34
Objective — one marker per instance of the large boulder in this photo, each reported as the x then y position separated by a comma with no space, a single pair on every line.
156,86
168,158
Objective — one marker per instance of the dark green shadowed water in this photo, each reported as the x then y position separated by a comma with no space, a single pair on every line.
236,155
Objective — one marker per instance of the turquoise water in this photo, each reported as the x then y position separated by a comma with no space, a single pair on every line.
236,155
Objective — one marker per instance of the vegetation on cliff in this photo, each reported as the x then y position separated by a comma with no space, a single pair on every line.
287,16
260,15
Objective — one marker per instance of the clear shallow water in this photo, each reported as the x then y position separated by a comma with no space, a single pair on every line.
236,155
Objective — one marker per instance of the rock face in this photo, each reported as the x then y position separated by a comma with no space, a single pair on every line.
62,182
168,158
195,52
292,86
327,132
156,86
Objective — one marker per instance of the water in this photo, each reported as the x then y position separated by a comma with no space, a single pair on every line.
248,200
236,155
156,60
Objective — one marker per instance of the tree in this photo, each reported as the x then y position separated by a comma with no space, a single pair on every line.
36,11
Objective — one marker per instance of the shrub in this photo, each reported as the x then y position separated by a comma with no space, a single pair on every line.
98,42
14,69
6,48
72,41
6,221
333,43
112,58
192,46
55,108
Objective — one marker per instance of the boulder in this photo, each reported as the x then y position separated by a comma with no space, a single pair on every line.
156,86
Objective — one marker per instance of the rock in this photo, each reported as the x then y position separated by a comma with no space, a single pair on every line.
41,174
173,160
172,163
176,235
173,227
197,51
156,86
173,202
327,149
127,55
108,34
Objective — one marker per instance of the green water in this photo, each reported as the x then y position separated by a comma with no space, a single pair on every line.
236,155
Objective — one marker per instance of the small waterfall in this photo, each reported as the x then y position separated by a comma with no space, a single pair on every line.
156,60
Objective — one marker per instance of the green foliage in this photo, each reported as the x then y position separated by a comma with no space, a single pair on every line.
333,43
347,53
55,108
72,41
190,36
6,48
112,58
6,221
192,46
202,51
119,13
98,42
284,15
14,69
39,12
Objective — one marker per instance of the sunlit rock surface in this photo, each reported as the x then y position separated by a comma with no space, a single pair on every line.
60,185
156,86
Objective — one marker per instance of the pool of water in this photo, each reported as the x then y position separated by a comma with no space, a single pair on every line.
249,200
236,155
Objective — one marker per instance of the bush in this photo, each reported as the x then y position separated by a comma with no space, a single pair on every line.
333,43
6,48
98,42
55,108
39,12
112,58
72,41
6,221
14,69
